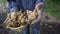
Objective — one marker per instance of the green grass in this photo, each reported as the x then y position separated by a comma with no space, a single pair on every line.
3,0
53,9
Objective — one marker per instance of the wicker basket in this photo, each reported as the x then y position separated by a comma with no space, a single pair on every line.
18,29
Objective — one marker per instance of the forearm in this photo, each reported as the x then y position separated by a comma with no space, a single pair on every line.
39,9
39,6
39,17
41,3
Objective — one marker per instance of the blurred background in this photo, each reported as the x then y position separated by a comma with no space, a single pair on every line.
50,23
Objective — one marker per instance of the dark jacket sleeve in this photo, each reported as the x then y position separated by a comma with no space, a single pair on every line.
12,5
11,2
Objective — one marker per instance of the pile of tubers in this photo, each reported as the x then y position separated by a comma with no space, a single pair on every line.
17,19
32,15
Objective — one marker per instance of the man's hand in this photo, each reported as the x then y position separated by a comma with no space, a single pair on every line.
38,18
39,9
28,22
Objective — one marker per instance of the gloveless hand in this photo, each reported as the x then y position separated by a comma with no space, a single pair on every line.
28,21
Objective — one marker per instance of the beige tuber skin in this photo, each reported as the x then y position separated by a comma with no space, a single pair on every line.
14,16
32,15
22,18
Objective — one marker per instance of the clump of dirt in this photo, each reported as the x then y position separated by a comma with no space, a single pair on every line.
49,19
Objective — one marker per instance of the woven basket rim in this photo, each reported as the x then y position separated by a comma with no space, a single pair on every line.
18,27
